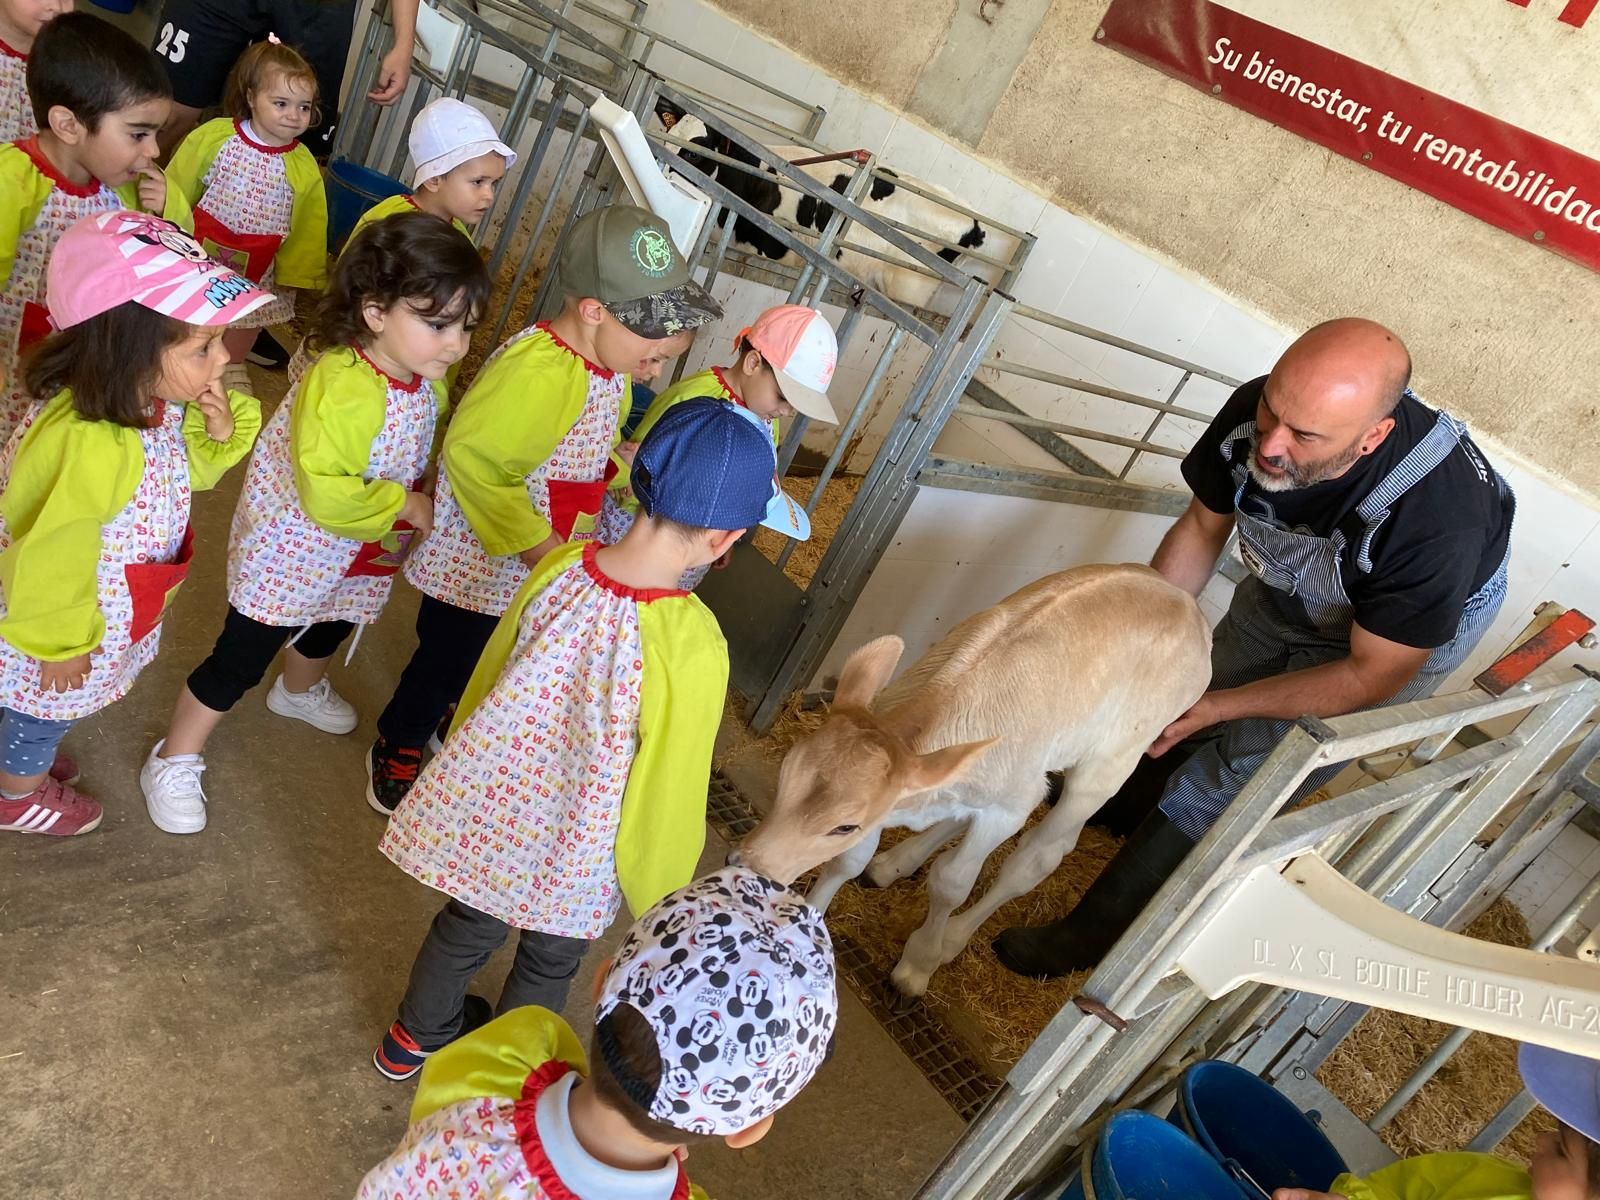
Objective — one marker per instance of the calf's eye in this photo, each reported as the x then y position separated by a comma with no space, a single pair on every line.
843,830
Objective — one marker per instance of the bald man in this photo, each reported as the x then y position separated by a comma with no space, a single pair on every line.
1377,537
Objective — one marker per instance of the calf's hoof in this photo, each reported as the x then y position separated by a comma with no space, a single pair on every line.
900,1004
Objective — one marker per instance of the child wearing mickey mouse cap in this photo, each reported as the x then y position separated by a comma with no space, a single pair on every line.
717,1011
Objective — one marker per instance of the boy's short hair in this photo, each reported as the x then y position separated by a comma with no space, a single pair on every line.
91,68
732,979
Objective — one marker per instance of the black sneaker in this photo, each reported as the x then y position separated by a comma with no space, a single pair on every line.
267,353
390,773
476,1012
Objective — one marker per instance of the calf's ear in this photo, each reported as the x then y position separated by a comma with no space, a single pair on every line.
866,671
939,767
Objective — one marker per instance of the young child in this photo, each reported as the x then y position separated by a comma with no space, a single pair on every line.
1565,1166
575,773
98,97
460,161
20,22
332,497
257,192
94,522
526,460
648,370
786,362
718,1010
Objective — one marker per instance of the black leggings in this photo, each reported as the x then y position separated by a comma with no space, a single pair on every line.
449,641
245,649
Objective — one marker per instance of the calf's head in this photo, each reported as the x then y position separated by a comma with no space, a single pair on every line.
841,782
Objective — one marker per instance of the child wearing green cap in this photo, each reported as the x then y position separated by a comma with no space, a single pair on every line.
526,461
574,777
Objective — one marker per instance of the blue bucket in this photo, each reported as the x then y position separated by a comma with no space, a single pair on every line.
352,189
1258,1135
1141,1157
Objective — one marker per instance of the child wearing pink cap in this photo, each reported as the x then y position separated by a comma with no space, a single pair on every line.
257,192
94,520
98,97
785,365
338,488
20,22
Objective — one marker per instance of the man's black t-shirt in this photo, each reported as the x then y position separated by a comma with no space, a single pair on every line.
1442,541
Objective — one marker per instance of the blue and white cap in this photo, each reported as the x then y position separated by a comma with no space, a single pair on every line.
710,464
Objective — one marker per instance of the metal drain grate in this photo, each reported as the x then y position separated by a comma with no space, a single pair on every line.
938,1054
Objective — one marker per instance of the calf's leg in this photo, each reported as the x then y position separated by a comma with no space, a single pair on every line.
842,869
904,858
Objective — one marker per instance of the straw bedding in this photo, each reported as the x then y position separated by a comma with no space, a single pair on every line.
836,500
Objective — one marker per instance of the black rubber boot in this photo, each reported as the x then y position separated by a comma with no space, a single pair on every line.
1081,938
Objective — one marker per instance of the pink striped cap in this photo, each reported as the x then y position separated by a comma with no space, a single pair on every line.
112,258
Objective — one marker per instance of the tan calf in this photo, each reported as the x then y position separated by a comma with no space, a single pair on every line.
1079,671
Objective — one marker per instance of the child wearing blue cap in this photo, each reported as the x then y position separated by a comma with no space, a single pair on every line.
1566,1165
575,774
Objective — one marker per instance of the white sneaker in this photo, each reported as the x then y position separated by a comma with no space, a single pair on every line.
172,791
237,379
320,707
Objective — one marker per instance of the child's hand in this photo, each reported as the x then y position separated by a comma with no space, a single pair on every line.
152,190
1303,1194
429,482
213,403
417,512
532,556
65,676
626,451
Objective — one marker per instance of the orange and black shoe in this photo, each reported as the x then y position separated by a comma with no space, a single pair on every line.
391,770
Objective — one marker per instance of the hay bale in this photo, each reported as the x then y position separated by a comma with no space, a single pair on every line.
1386,1047
836,500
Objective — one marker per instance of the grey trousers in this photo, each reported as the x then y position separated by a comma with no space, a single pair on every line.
459,942
1254,641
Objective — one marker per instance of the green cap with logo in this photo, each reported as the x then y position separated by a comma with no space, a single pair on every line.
623,257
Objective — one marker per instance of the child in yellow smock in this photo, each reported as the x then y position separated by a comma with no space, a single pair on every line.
94,520
334,495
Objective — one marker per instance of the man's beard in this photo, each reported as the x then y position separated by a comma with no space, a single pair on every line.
1302,475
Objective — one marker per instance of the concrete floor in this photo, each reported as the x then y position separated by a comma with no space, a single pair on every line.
194,1016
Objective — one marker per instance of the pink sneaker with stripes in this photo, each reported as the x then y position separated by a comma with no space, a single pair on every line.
52,808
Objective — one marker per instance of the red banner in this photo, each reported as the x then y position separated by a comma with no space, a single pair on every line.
1502,174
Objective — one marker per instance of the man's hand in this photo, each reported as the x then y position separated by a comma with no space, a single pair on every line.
153,191
213,403
1203,714
65,676
531,557
394,72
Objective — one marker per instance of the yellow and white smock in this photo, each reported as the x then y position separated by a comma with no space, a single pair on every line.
317,534
95,540
527,453
37,205
260,210
1462,1176
16,110
575,774
490,1120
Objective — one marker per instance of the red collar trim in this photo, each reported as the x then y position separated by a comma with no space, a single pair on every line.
238,128
594,368
411,200
9,51
728,387
158,413
642,595
416,380
30,147
533,1152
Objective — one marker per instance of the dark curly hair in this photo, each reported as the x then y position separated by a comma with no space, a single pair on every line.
112,363
412,256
